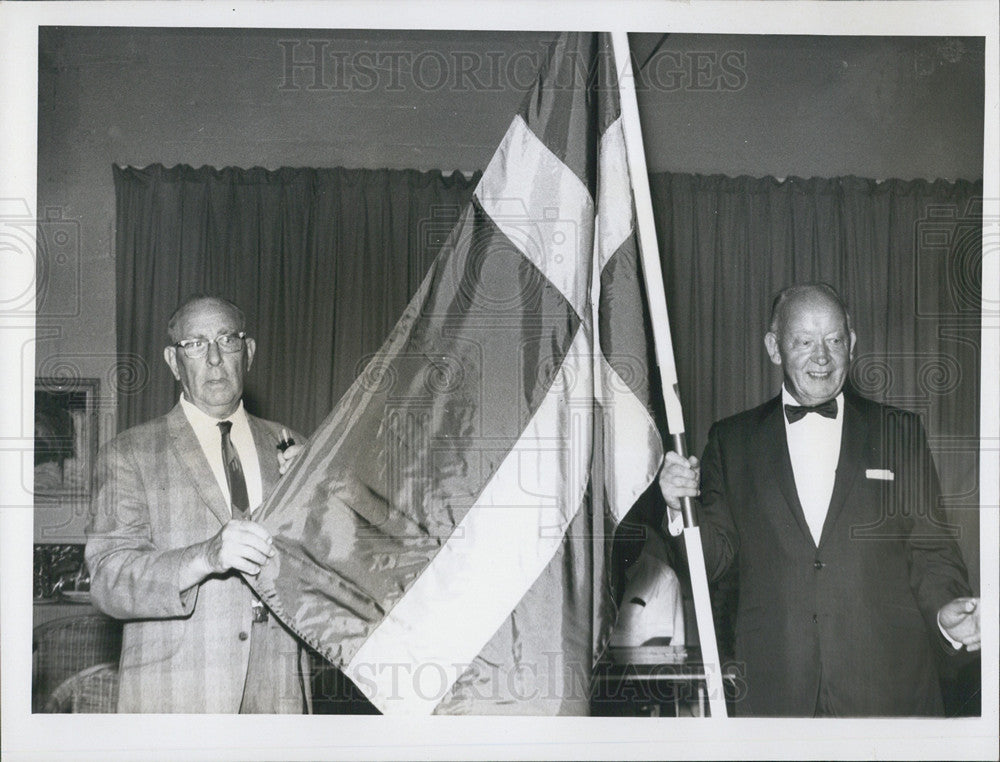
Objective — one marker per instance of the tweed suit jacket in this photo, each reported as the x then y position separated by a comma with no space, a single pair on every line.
856,614
181,652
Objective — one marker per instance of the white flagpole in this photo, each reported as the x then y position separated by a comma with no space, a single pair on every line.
664,348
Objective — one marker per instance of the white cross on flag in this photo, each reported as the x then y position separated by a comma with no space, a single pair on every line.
444,537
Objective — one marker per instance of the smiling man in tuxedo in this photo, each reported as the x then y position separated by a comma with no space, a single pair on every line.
829,506
172,529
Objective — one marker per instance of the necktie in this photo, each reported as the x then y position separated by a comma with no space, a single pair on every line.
826,409
234,473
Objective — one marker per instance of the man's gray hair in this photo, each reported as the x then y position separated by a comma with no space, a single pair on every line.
175,320
823,290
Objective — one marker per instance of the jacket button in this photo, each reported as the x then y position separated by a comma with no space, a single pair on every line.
818,565
244,636
815,618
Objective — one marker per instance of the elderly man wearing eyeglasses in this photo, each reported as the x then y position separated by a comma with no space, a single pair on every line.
172,531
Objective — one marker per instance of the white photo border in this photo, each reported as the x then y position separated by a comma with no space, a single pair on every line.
111,737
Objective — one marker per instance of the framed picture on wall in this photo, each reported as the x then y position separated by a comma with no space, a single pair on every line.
65,437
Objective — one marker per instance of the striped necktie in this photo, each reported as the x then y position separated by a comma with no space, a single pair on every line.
234,473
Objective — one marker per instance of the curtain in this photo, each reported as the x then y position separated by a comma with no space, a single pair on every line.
322,261
905,255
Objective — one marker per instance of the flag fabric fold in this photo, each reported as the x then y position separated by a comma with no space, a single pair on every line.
443,538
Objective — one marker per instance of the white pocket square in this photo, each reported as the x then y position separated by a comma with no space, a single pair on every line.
880,473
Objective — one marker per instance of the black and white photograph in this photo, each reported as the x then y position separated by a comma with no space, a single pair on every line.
500,382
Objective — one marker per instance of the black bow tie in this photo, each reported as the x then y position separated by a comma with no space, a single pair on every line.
826,409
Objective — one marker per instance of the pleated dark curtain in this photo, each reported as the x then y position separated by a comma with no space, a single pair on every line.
906,256
323,261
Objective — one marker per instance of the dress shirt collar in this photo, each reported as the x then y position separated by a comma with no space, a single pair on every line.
199,419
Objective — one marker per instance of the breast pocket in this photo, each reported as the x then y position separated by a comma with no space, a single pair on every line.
880,506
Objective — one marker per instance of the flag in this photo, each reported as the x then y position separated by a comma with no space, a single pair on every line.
443,538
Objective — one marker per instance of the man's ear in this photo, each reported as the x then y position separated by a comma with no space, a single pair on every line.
170,357
771,342
854,340
251,349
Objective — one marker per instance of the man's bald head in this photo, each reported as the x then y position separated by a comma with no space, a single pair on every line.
811,293
176,323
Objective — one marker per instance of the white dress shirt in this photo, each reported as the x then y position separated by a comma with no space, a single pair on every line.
814,449
206,429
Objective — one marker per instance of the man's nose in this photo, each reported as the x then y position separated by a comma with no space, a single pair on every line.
821,355
214,356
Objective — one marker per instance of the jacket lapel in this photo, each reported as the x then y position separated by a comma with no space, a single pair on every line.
188,451
267,454
778,465
853,441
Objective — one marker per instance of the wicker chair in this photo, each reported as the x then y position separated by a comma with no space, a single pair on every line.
67,646
92,690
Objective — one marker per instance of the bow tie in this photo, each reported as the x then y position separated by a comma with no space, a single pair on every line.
826,409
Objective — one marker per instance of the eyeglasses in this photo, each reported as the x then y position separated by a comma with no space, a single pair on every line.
227,342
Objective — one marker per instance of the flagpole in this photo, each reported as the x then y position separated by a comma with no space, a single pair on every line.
664,349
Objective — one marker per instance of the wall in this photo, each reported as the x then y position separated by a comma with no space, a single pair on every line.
816,107
220,97
876,107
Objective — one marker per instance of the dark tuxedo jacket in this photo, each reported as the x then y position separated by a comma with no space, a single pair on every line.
857,614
